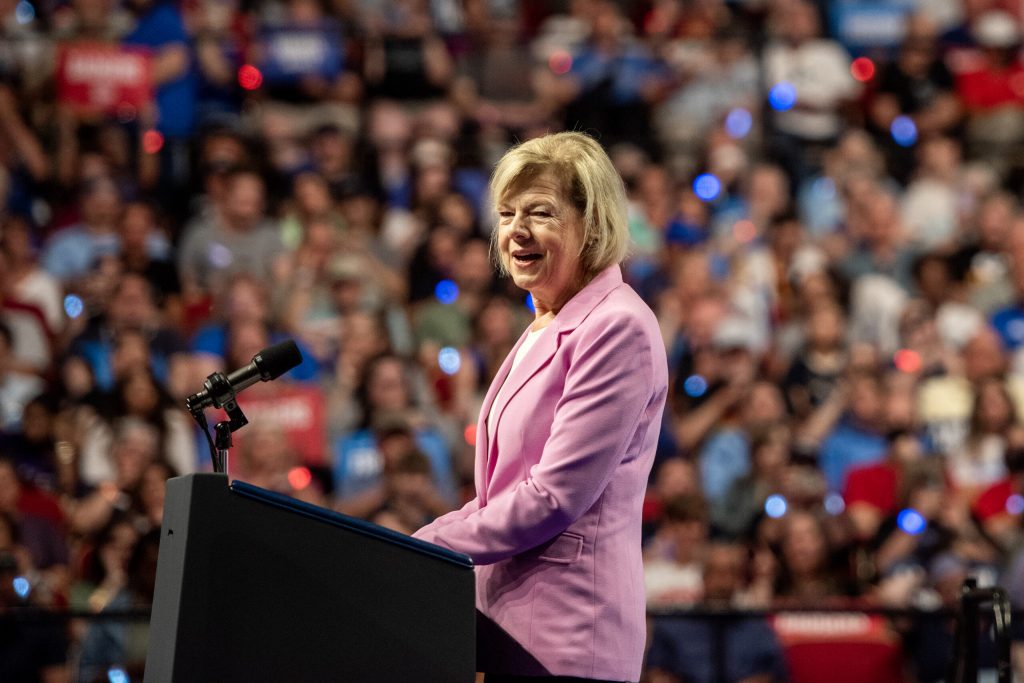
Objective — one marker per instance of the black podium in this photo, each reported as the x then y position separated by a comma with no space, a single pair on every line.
252,585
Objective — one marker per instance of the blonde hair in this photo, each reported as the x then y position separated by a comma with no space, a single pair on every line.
589,181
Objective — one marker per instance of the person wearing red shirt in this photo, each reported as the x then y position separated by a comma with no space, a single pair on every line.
998,509
871,492
991,86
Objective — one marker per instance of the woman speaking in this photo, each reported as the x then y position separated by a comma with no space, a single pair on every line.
567,431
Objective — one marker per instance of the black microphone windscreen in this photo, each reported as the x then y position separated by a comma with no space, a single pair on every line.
278,359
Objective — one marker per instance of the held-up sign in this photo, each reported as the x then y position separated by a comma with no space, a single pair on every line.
292,52
298,409
97,78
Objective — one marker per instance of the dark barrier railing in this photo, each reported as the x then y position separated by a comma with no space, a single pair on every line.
970,619
964,666
733,613
38,614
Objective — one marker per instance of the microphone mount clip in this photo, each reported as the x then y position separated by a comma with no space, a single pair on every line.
222,394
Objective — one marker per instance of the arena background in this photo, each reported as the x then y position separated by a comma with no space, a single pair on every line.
825,205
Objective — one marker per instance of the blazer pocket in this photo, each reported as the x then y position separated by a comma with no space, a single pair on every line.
565,548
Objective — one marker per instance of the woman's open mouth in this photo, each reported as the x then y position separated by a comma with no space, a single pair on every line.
526,258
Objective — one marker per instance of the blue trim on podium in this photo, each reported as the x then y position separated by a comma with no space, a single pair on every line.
353,524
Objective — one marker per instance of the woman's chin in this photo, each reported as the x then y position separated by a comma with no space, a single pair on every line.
527,281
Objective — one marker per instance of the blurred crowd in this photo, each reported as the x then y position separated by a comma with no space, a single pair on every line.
827,223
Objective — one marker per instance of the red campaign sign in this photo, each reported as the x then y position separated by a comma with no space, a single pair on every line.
101,78
298,409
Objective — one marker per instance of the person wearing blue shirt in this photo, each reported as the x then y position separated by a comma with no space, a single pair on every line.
1009,323
72,251
612,83
858,438
175,80
359,464
161,29
740,650
724,459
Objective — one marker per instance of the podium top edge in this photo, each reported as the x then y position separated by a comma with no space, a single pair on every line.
359,526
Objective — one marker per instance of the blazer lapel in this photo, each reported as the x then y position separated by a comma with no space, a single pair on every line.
536,358
506,383
483,432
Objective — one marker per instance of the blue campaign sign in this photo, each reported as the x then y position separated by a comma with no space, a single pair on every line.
290,52
865,24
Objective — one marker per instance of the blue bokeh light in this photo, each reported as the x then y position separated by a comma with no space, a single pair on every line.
738,123
782,96
529,304
219,255
824,188
834,504
911,521
24,13
116,674
695,386
707,186
73,305
22,587
446,291
449,360
775,506
903,130
1015,504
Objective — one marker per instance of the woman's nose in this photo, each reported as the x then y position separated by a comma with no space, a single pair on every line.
518,226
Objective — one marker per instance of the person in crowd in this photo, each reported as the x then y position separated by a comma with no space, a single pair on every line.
237,237
16,388
32,446
69,253
983,258
808,569
985,86
139,229
703,650
134,444
124,564
131,313
242,310
823,92
815,372
849,232
871,493
996,508
390,389
927,524
267,459
850,423
918,85
981,462
411,497
613,81
592,356
405,57
448,323
29,283
770,473
40,524
725,456
671,477
673,566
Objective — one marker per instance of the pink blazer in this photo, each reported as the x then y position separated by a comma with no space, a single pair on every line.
560,479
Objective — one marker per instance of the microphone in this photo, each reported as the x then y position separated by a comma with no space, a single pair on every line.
268,364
